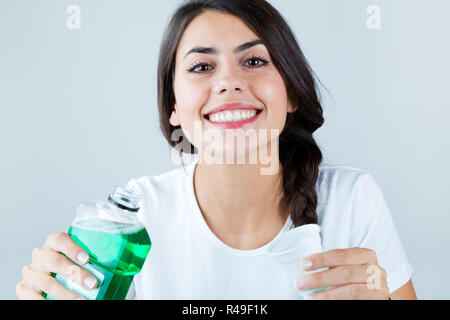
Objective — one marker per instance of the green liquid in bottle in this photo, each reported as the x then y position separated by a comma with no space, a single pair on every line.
114,259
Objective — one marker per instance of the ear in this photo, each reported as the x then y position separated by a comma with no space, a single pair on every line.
290,108
174,120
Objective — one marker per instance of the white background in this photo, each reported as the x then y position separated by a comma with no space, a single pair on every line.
79,114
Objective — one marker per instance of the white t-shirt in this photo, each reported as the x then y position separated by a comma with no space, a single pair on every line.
188,261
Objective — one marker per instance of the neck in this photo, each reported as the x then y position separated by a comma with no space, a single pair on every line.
237,201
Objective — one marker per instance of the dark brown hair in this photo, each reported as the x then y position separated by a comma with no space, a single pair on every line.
299,154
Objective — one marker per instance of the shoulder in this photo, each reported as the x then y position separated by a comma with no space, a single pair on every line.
349,201
163,182
349,181
343,179
347,184
163,191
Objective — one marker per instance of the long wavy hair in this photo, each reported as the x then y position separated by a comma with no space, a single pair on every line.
299,154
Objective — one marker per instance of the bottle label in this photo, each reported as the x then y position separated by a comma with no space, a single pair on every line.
88,294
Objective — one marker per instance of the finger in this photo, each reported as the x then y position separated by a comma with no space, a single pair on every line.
49,260
336,276
24,292
349,292
339,257
44,282
62,242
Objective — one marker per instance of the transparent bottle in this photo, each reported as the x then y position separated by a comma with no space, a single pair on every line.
116,241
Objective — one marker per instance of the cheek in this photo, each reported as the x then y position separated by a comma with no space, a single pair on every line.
272,89
190,97
272,93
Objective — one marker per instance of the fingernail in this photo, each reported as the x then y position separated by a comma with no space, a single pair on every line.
90,282
300,283
306,264
82,257
309,297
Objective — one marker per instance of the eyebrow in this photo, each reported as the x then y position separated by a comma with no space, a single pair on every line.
214,51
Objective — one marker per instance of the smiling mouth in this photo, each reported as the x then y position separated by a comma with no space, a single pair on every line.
231,116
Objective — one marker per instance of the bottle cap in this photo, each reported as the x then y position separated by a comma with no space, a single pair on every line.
125,197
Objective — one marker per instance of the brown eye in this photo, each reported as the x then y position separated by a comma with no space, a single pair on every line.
256,58
199,68
195,68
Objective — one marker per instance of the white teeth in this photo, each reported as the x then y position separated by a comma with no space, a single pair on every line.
228,116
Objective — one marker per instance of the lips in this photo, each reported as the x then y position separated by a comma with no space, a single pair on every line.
232,106
234,124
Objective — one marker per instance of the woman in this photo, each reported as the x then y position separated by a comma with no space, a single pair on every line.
210,222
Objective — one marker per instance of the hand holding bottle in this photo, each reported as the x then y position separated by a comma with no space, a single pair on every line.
37,277
105,247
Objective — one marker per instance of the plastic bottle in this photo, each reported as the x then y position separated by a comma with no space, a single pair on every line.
116,241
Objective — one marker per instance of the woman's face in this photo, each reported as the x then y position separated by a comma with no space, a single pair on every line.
223,75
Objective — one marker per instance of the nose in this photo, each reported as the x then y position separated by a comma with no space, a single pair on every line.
235,86
230,82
